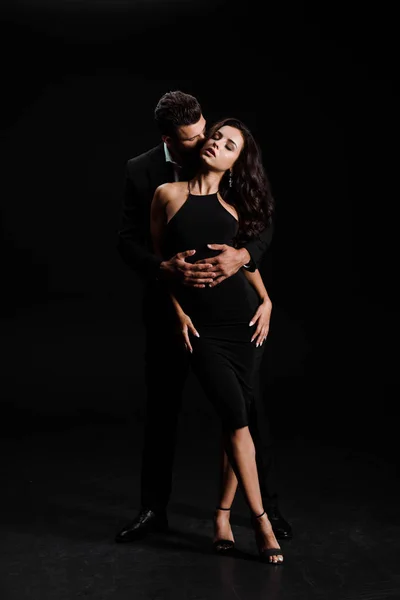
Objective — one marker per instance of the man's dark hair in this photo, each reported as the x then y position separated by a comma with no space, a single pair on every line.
175,109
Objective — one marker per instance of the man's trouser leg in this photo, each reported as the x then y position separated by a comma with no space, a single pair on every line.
166,370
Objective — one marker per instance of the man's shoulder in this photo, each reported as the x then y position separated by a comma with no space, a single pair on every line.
149,157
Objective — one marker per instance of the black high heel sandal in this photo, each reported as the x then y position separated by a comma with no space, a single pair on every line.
266,553
223,546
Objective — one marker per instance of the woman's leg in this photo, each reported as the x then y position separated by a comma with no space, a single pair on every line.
240,449
228,480
212,362
226,495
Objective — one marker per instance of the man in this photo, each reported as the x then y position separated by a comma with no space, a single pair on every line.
182,126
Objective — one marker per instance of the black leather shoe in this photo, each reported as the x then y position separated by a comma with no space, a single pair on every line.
281,528
146,522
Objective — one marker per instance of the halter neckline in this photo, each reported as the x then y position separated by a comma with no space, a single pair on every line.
201,195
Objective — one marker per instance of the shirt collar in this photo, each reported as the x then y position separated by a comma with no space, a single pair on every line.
168,157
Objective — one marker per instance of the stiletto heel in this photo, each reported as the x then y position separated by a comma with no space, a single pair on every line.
265,554
223,546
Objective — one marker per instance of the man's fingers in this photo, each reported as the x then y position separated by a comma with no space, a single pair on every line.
204,271
200,277
194,283
217,246
185,253
209,261
217,280
198,266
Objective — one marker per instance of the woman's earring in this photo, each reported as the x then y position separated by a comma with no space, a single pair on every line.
230,178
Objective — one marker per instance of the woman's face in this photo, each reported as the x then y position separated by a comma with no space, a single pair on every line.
221,151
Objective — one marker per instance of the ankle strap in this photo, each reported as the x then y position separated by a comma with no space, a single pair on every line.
220,508
258,516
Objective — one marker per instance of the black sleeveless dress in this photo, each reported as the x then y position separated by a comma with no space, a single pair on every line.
224,359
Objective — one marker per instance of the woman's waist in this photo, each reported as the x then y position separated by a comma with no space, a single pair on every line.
201,248
230,289
233,294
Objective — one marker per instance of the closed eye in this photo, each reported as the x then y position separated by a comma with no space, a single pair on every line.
196,136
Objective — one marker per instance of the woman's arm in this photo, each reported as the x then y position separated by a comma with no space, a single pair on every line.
184,323
262,315
158,222
257,282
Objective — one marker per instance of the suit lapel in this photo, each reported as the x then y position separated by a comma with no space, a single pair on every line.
161,171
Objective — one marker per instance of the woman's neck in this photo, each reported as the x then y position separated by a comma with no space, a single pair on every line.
205,183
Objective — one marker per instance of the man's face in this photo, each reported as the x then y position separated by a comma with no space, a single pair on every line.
188,139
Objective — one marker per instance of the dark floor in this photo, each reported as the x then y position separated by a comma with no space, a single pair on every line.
66,492
70,473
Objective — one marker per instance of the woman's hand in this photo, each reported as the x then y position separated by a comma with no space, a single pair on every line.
262,318
185,326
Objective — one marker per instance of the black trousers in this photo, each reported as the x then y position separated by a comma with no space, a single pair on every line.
166,371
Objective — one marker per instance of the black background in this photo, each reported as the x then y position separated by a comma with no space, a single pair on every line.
316,83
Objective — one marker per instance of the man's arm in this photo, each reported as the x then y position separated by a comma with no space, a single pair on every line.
230,260
132,237
176,267
134,242
257,248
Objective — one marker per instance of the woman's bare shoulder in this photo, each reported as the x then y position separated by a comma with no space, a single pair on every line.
170,191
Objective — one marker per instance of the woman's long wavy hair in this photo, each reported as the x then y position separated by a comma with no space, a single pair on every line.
250,192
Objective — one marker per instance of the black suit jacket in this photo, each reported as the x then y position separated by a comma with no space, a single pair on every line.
144,173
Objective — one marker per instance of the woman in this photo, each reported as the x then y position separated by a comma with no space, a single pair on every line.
223,326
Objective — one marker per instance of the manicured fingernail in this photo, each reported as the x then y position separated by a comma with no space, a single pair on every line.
250,324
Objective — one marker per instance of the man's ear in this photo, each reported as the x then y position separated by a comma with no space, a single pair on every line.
167,140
